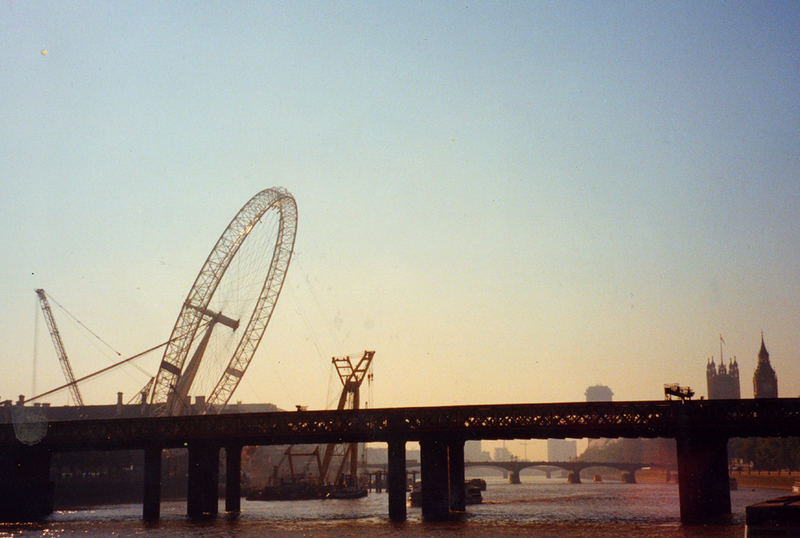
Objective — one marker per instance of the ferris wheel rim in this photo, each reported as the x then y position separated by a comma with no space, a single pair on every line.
205,285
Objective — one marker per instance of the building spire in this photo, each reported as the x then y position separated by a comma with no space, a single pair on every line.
765,382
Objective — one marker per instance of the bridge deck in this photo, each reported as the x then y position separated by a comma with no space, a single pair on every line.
662,418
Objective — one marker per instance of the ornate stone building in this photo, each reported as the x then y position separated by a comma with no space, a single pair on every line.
765,382
723,381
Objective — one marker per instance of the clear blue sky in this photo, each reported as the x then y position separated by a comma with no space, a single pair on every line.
507,201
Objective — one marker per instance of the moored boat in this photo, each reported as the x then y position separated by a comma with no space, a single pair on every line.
480,483
472,494
774,517
347,492
415,497
292,491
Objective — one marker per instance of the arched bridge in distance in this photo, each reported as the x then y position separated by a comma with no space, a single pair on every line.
515,467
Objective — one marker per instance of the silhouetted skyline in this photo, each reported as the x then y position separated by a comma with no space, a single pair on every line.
507,202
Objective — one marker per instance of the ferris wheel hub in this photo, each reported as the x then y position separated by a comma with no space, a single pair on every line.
217,317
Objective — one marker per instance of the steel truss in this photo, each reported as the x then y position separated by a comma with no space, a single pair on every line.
717,418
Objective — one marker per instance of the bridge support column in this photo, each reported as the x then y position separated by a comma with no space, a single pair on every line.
397,480
233,478
513,477
435,480
547,474
628,477
574,477
151,505
458,493
203,493
703,483
25,487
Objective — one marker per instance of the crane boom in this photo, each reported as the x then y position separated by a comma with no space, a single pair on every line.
59,345
351,378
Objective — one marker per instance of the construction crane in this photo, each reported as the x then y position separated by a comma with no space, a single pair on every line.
141,396
290,455
59,345
674,389
351,378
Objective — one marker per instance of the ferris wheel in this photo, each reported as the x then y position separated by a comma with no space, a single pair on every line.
229,306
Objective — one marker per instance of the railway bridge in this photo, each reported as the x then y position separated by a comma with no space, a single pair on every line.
701,429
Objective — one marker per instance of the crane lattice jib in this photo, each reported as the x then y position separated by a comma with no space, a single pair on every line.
351,378
350,374
205,284
59,345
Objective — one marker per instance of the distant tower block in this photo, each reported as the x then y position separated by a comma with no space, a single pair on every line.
473,452
599,393
765,382
562,449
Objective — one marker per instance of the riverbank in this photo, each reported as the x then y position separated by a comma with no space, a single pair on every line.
744,479
766,479
654,476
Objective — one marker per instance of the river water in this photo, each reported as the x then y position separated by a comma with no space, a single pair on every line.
539,507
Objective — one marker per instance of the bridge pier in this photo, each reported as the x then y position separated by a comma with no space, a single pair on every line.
574,477
202,495
151,503
443,489
26,492
513,477
703,483
397,480
233,478
435,480
455,462
628,477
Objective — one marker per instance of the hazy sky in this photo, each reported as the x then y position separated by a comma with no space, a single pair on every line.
507,201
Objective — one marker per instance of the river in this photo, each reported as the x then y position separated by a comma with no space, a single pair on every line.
539,506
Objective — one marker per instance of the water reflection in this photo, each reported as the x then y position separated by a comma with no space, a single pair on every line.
539,506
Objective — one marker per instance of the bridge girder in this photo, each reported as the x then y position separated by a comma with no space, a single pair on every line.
669,419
